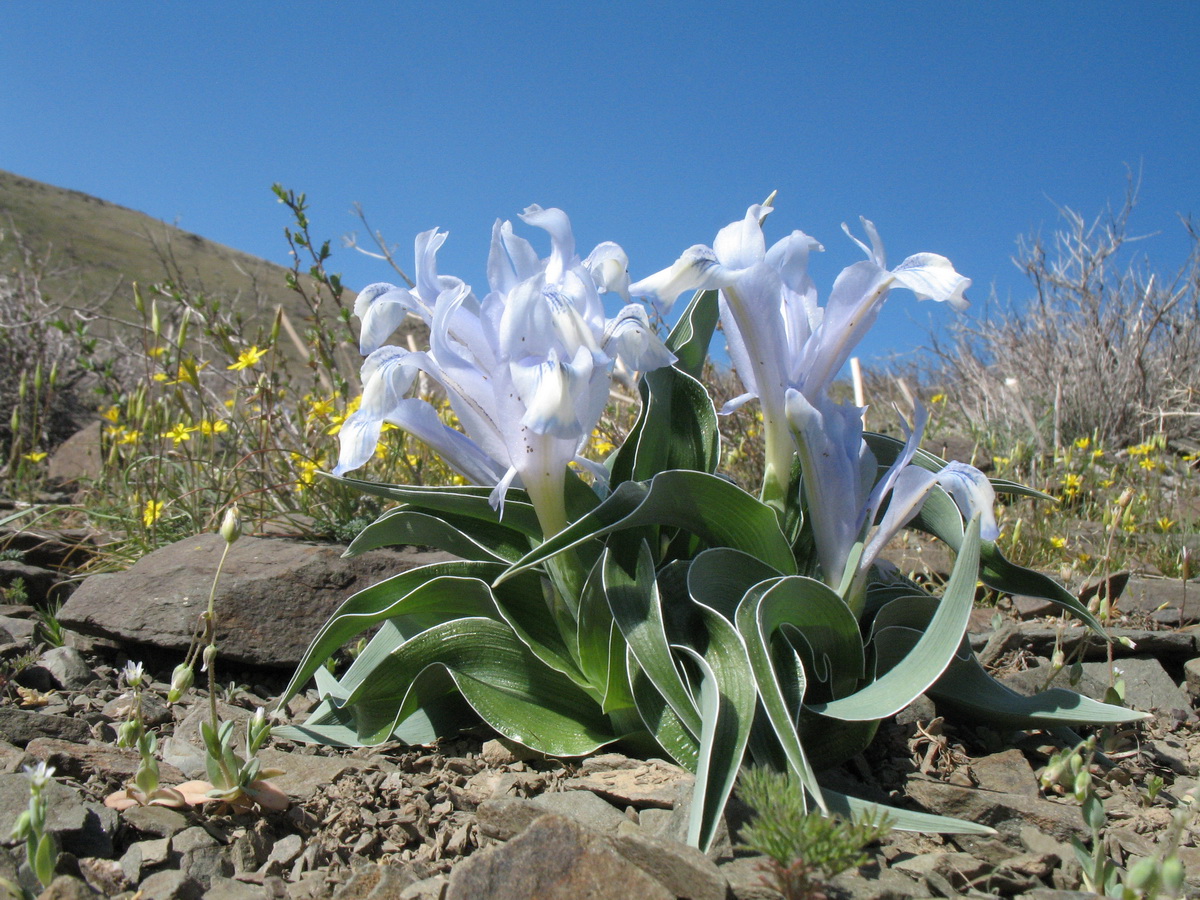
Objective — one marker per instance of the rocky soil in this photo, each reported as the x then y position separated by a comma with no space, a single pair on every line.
477,817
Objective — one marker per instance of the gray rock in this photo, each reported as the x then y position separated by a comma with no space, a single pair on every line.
272,597
1004,812
38,582
304,776
959,869
20,628
142,855
1040,640
230,889
433,888
1147,686
1191,675
642,784
681,869
744,875
286,849
553,859
200,855
157,820
81,827
507,817
81,760
170,884
65,887
20,726
79,458
382,881
871,882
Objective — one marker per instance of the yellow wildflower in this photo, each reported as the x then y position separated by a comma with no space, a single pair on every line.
306,473
155,352
151,512
1083,443
213,426
1097,454
112,414
179,434
1141,450
937,398
129,437
1071,484
1058,542
160,377
320,408
248,358
1148,464
36,456
1107,483
1165,524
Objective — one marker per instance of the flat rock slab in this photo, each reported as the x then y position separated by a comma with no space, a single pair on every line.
272,596
553,859
653,784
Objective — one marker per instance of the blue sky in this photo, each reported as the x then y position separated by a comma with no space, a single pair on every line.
955,126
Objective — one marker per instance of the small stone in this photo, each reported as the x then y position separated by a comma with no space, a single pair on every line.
653,783
104,875
376,882
433,888
201,857
170,884
20,726
681,869
67,668
553,859
744,875
960,869
286,849
80,761
64,887
221,888
305,776
156,820
1191,675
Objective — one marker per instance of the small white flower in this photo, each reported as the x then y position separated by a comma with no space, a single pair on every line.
40,775
133,674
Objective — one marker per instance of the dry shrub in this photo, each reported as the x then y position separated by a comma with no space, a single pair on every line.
1105,348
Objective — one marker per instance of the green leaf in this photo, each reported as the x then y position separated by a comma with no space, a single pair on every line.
966,689
660,719
398,595
692,334
506,685
909,678
465,537
719,578
902,819
632,593
462,500
676,429
718,512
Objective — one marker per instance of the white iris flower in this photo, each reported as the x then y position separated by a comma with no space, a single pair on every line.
787,350
527,370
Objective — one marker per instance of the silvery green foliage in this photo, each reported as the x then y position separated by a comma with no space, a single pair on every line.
660,606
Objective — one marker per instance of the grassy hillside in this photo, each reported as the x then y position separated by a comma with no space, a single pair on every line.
102,248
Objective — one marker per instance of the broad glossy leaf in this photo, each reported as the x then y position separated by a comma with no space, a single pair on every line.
902,819
727,701
966,689
506,685
719,578
463,536
909,678
403,594
676,429
462,500
692,334
941,518
660,719
632,592
720,513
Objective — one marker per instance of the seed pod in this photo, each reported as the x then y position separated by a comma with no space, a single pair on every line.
231,525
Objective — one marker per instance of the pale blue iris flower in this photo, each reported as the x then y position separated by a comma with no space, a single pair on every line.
526,370
787,350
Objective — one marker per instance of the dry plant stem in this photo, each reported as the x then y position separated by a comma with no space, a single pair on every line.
210,629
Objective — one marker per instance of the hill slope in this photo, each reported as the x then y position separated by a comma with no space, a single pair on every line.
101,248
